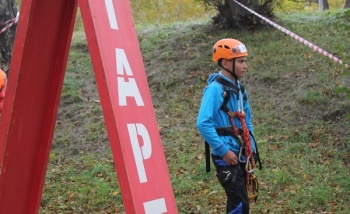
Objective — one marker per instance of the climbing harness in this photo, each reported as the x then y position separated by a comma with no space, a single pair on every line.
242,135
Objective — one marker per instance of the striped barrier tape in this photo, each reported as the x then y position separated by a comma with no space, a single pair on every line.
294,36
9,23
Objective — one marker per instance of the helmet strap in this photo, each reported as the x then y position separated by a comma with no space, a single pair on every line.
233,68
233,73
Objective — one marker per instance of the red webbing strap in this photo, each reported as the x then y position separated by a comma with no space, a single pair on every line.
250,162
245,133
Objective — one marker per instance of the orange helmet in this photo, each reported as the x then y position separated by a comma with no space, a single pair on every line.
228,49
2,78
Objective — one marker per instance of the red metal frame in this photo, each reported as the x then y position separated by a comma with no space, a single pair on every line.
127,107
28,119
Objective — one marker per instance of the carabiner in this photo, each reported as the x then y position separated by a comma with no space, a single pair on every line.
240,156
248,165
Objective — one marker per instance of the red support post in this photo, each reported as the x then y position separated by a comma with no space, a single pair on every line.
40,53
127,107
28,119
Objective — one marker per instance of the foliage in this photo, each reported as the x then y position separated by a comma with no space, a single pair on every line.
8,11
167,11
342,20
232,15
299,5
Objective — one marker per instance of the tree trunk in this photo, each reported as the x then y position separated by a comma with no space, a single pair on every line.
320,5
323,5
8,11
347,4
232,15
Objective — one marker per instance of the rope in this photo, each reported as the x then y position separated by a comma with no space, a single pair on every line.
245,132
294,36
9,23
251,181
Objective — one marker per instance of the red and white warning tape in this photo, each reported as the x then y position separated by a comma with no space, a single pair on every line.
9,23
294,36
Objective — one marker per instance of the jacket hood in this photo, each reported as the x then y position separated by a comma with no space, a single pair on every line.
212,77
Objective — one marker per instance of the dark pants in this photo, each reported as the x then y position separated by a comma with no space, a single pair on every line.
232,179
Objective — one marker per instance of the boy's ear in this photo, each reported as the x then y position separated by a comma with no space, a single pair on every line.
224,63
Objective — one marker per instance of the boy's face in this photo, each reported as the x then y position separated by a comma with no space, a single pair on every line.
241,66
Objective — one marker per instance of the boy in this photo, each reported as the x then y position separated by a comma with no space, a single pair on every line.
224,120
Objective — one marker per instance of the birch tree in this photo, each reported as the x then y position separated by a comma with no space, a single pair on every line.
323,5
8,11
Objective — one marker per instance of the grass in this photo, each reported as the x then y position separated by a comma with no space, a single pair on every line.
300,101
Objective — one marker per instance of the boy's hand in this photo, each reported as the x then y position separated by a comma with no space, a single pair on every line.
230,158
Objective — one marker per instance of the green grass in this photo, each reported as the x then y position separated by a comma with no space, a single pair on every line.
300,101
91,188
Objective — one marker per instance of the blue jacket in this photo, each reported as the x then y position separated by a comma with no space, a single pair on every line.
210,116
